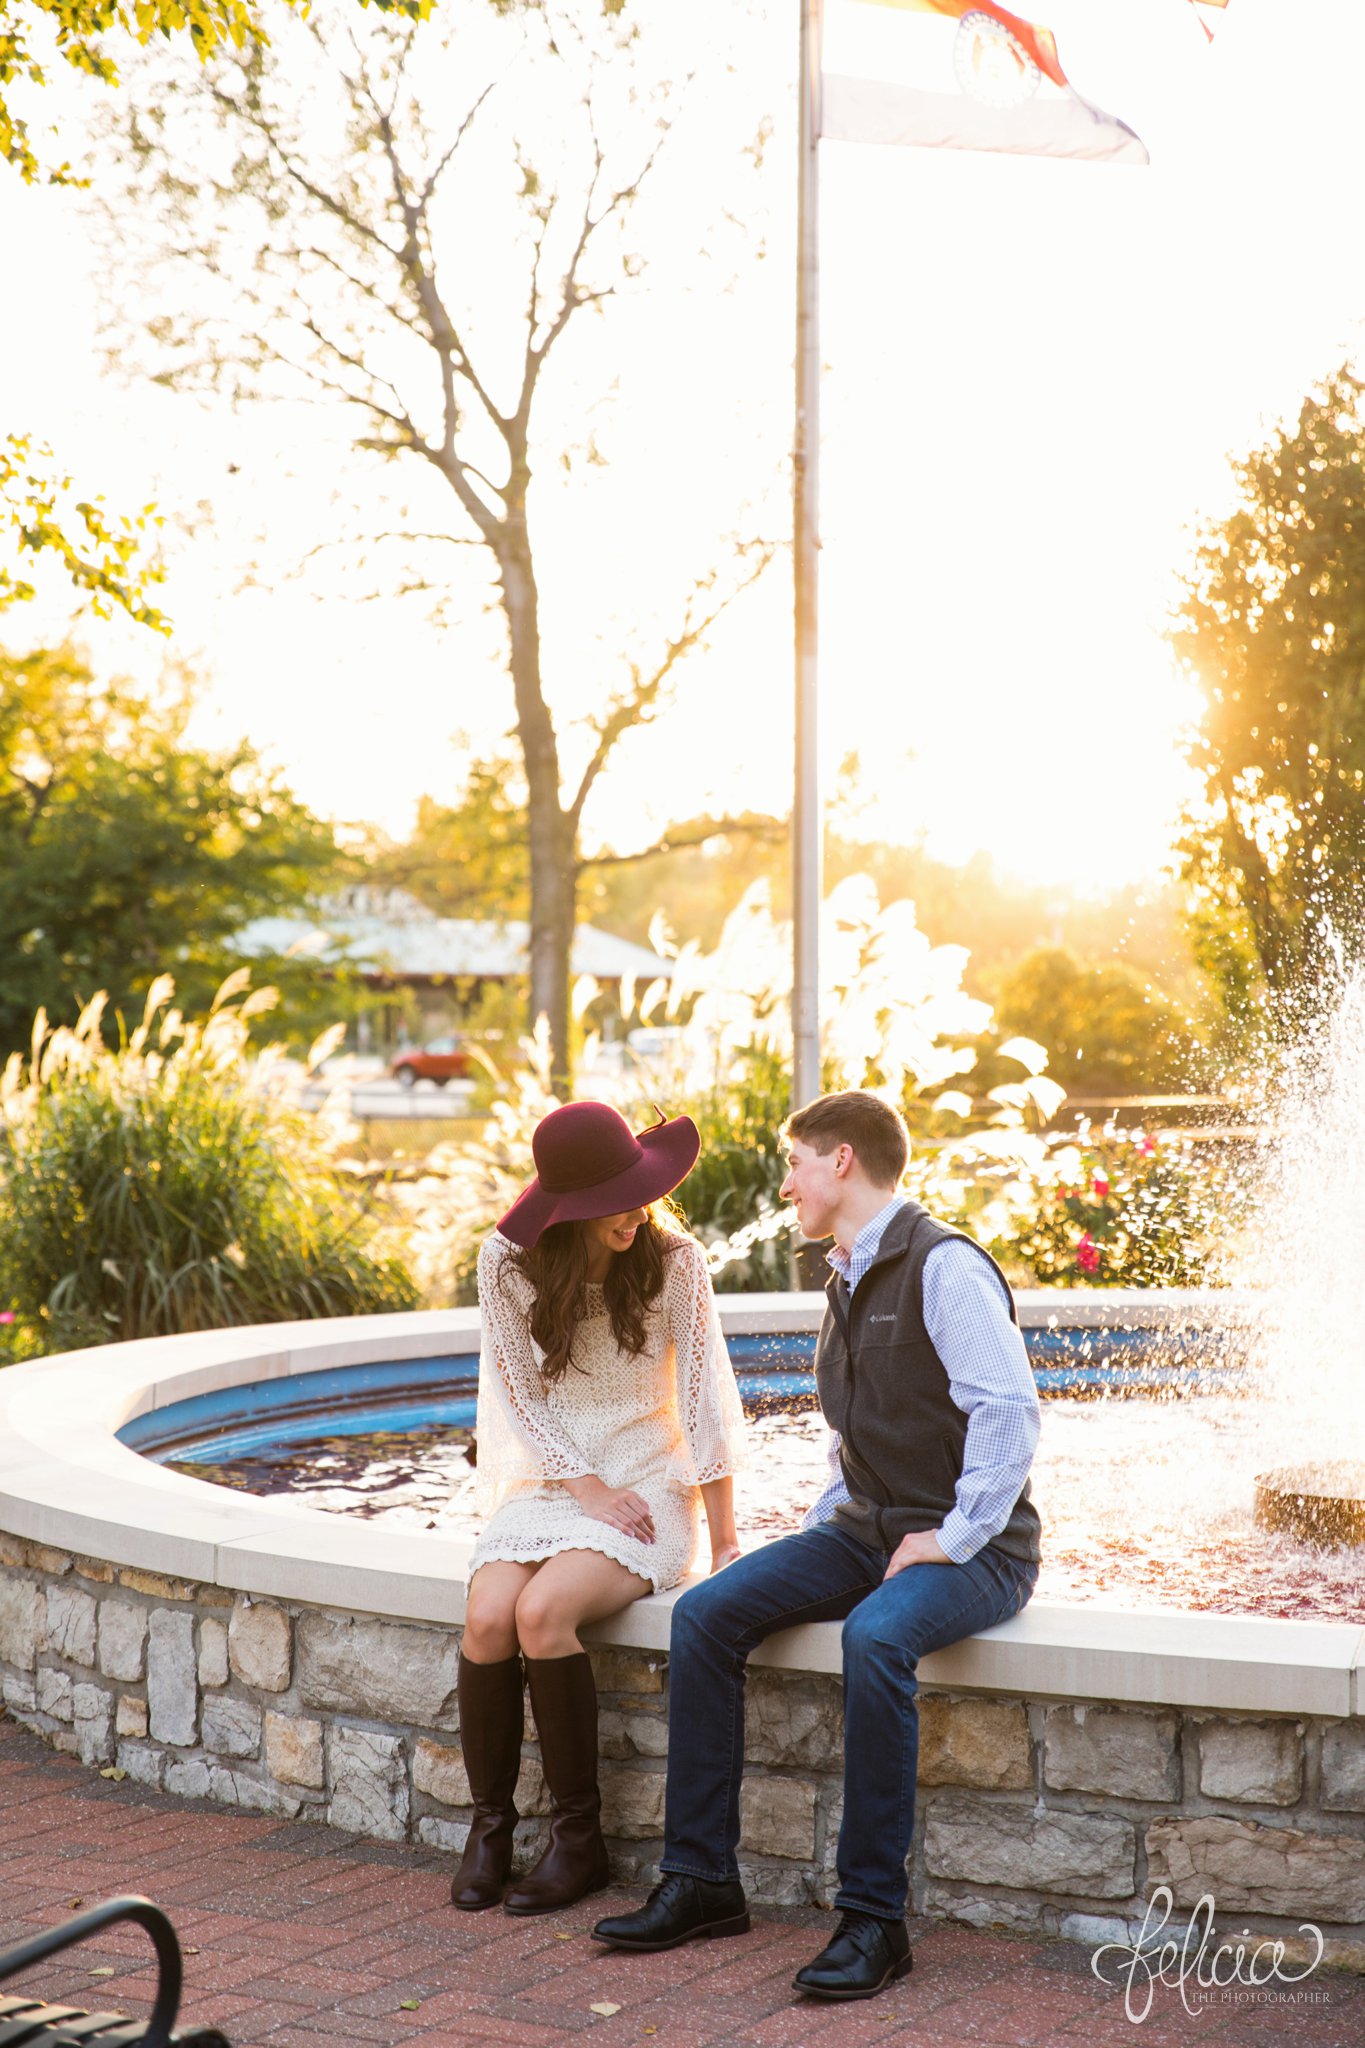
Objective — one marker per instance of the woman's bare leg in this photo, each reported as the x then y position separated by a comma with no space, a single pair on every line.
490,1625
571,1588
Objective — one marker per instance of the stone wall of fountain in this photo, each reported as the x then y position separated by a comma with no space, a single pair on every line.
1055,1815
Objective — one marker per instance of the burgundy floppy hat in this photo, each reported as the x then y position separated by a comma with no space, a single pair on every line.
590,1163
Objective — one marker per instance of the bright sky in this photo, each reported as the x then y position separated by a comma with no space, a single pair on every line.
1036,371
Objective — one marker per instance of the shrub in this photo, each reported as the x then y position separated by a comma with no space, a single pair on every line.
161,1187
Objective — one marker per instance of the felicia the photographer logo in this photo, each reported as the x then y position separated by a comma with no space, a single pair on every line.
1203,1972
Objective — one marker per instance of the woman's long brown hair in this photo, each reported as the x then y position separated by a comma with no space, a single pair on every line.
557,1267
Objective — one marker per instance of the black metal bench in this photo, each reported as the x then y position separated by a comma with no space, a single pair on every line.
24,2023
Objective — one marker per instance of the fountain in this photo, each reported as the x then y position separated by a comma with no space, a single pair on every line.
1307,1247
255,1651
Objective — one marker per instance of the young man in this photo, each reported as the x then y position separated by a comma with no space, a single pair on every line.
925,1534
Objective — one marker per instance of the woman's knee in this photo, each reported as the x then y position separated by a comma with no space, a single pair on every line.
490,1627
543,1621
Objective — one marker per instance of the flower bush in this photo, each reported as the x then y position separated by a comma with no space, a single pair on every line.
163,1186
1121,1211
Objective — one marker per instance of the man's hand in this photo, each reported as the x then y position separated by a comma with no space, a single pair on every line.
723,1554
921,1546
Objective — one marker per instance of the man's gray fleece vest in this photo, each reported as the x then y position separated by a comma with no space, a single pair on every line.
884,1388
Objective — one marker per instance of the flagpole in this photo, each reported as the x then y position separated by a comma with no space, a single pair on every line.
807,810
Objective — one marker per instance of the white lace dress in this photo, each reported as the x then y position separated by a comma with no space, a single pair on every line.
663,1423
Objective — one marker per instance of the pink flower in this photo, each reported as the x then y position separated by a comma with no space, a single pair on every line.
1147,1147
1100,1183
1087,1254
6,1315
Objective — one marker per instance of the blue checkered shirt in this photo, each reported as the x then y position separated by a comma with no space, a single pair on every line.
966,1312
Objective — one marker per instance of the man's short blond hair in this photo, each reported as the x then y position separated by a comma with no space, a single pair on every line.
874,1129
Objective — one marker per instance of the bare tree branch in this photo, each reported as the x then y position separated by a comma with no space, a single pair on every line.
716,828
639,704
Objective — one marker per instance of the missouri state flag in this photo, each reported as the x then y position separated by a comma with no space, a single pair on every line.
1084,78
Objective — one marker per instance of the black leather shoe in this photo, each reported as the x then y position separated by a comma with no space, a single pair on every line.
678,1909
865,1956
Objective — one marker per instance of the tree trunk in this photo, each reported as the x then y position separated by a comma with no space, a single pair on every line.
553,864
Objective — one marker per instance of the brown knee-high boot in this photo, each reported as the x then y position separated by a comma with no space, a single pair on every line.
490,1734
564,1702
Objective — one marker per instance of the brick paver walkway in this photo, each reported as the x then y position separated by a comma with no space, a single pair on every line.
300,1937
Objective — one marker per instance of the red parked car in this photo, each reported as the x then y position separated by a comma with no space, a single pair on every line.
444,1059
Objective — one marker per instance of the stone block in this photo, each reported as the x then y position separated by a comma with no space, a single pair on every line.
293,1750
793,1722
54,1693
230,1727
1107,1749
777,1817
259,1645
1016,1916
172,1674
1250,1868
196,1778
213,1653
448,1835
71,1624
619,1670
130,1717
369,1784
624,1735
632,1803
1343,1767
13,1550
19,1693
1091,1855
96,1570
94,1721
1100,1930
382,1670
143,1764
42,1558
63,1741
22,1609
155,1585
974,1742
122,1639
438,1771
778,1884
1260,1762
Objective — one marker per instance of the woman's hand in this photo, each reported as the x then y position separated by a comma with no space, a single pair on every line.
723,1554
617,1506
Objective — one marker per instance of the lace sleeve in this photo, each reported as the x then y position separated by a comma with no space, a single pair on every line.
711,1418
519,1438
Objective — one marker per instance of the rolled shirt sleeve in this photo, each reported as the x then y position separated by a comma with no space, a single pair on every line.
967,1315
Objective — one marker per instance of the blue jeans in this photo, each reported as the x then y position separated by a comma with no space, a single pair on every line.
820,1574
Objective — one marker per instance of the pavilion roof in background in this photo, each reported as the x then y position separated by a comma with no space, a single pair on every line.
390,932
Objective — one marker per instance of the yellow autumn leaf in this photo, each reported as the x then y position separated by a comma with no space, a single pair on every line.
605,2009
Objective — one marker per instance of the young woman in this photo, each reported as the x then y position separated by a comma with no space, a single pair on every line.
608,1412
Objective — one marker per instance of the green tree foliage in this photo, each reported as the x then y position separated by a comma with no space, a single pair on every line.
161,1188
125,850
472,859
85,34
102,554
1105,1030
1272,629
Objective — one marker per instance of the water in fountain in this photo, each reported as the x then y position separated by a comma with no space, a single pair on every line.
1306,1248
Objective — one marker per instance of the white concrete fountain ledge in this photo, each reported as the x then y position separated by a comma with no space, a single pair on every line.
68,1483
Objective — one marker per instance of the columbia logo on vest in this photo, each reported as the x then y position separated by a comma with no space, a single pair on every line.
881,1319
